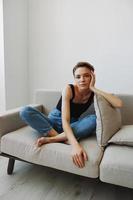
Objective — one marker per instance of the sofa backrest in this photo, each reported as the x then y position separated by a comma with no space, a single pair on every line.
49,99
127,109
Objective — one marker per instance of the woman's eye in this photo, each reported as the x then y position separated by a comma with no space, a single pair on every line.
87,76
83,76
77,77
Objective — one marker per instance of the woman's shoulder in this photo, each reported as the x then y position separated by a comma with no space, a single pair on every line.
68,87
68,90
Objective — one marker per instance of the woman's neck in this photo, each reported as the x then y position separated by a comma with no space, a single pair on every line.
83,92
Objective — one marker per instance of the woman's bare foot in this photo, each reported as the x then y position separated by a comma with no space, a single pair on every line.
52,139
42,140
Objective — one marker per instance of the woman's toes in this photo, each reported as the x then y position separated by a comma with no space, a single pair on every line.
42,141
39,142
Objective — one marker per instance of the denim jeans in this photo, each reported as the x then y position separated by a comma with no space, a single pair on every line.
82,128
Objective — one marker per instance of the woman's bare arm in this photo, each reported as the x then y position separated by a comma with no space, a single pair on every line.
112,99
78,153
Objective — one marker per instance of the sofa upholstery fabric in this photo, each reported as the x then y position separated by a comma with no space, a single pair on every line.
21,144
124,136
108,120
117,166
10,120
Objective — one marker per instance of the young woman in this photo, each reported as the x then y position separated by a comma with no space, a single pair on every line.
63,123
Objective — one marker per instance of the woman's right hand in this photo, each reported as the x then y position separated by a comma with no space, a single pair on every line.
79,155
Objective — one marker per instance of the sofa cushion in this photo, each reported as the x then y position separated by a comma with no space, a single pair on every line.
117,165
124,136
108,120
21,144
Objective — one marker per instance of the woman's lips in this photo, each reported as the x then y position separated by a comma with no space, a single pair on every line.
82,84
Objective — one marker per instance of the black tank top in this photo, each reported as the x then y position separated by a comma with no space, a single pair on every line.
76,109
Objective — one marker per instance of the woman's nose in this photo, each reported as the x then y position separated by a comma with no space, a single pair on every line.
82,78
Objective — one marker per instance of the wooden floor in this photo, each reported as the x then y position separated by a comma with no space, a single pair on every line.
32,182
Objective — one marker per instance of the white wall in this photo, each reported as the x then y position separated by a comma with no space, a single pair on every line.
16,52
2,71
63,32
44,39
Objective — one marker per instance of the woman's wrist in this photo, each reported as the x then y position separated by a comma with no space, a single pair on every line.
97,91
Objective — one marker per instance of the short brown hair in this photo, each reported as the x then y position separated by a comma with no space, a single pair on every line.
83,64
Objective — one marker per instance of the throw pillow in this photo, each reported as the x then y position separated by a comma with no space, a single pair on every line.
108,120
124,136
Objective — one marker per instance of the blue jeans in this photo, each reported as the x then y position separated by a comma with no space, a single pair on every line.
82,128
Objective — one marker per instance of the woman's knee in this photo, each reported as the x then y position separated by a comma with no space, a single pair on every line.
83,128
25,112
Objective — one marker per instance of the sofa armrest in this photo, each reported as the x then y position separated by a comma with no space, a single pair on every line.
11,121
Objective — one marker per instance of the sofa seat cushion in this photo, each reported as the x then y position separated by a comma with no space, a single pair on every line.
21,144
117,166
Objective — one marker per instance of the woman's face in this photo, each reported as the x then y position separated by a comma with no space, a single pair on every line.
82,77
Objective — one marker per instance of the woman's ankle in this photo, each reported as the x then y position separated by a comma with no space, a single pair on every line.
52,133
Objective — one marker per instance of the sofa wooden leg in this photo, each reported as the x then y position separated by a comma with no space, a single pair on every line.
11,163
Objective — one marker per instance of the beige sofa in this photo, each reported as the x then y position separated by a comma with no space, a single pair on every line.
110,152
